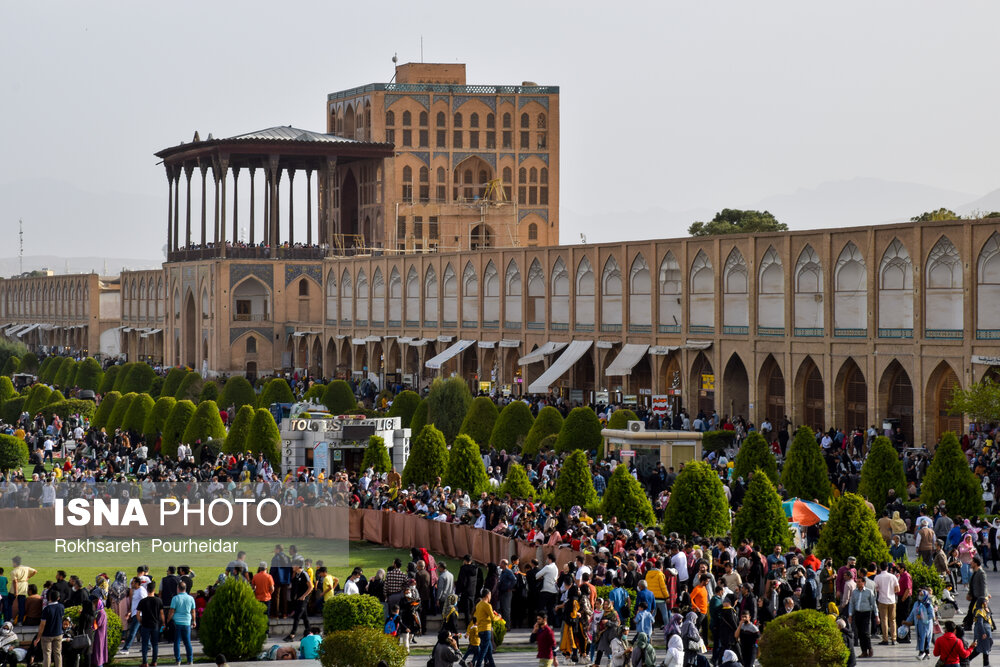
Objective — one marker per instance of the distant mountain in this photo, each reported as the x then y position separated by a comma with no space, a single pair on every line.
988,203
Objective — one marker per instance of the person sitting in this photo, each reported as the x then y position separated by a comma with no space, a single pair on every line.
309,647
33,607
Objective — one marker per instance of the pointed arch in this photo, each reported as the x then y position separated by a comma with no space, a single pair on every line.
736,299
251,300
944,309
536,295
346,298
560,295
771,294
702,385
430,297
640,307
378,298
808,294
671,309
584,296
611,296
395,298
702,294
895,292
736,388
449,297
771,390
512,295
895,397
940,384
810,392
412,298
470,296
988,289
363,299
491,295
851,397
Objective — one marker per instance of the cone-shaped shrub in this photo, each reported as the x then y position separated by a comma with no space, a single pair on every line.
805,475
236,393
140,408
11,366
13,453
157,417
264,437
447,404
697,503
189,388
67,371
803,638
209,392
376,455
276,391
428,457
38,396
89,374
173,381
104,409
949,479
465,466
315,393
108,380
882,470
43,368
55,397
29,363
548,422
627,500
479,420
174,427
234,623
236,440
761,517
118,414
755,454
139,378
511,427
581,430
575,485
620,419
517,483
403,406
69,407
7,391
419,418
12,409
339,398
205,425
852,531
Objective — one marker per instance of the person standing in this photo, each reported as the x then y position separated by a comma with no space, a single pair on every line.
151,619
182,614
886,589
982,634
979,592
50,631
99,650
861,608
301,587
484,621
549,592
263,586
19,576
543,636
949,648
138,593
506,584
445,586
281,573
922,619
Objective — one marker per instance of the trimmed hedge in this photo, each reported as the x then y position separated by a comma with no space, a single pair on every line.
428,457
69,407
264,437
237,392
138,379
620,418
135,417
55,397
517,484
11,366
13,453
157,417
29,363
625,499
465,466
115,628
174,427
206,424
376,455
89,374
419,418
403,406
447,404
173,381
12,409
234,623
698,503
118,413
38,396
581,430
803,638
236,439
67,371
189,388
479,420
548,422
108,380
104,410
346,612
361,647
755,453
716,441
575,485
276,391
7,390
339,398
511,427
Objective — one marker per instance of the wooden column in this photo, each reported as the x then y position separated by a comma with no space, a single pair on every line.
187,237
309,229
221,196
236,204
170,208
204,204
291,207
253,205
274,221
177,199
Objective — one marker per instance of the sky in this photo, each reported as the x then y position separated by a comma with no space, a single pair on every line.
676,107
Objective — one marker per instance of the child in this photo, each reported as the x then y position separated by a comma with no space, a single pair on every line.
472,632
200,602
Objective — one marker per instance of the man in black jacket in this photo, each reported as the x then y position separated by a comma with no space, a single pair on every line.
979,592
469,582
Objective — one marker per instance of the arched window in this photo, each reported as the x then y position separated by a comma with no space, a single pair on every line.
458,120
512,292
640,309
442,176
407,174
407,119
544,178
346,300
532,232
702,293
506,121
378,298
449,297
536,295
735,306
808,293
395,298
412,298
895,292
988,293
390,118
430,298
303,287
423,119
251,344
671,313
584,295
944,309
491,295
424,175
525,123
541,121
508,174
467,176
491,121
441,119
251,299
522,175
771,292
470,295
850,303
532,175
611,294
474,120
362,298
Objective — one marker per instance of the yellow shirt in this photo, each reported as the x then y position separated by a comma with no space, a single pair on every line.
311,573
473,634
484,616
329,586
20,575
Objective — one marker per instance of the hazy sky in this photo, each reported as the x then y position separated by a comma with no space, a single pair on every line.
664,105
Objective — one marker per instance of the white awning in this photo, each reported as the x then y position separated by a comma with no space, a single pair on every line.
449,352
698,345
403,339
487,344
126,329
663,350
540,353
420,342
559,367
9,331
607,344
358,341
445,339
340,336
31,327
151,332
373,339
298,334
506,342
626,360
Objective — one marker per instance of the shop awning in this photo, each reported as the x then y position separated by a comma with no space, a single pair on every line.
9,331
698,345
151,332
404,339
436,361
420,342
607,344
373,339
487,344
445,339
30,327
539,354
506,342
559,367
626,360
358,341
663,350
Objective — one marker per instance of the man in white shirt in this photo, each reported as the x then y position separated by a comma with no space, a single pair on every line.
548,575
886,588
678,561
826,442
351,585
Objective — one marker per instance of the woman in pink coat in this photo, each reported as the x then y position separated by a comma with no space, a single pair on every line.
966,550
99,657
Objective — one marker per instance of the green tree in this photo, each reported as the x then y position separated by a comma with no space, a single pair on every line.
234,623
346,612
135,418
761,517
882,470
517,484
13,453
138,379
11,366
37,398
626,500
89,374
157,417
428,457
175,376
548,422
754,453
104,409
7,390
697,503
264,437
189,388
735,221
205,425
376,455
447,404
29,363
511,427
276,391
174,427
419,418
69,407
949,478
55,397
479,420
209,392
933,216
123,375
581,430
108,379
239,430
315,393
118,413
236,393
465,466
804,638
575,485
805,475
67,370
620,418
851,531
403,406
12,409
339,398
981,401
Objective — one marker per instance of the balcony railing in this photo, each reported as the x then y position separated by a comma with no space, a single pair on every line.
701,329
895,333
583,327
535,326
808,332
448,324
252,252
640,328
611,328
770,331
491,324
507,324
250,317
470,324
850,333
946,334
668,328
735,330
559,326
988,334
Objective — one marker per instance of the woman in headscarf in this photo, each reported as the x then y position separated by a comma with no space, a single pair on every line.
99,646
982,633
449,614
921,618
85,626
966,550
607,630
643,653
673,626
119,595
10,646
569,644
730,659
675,652
693,644
618,648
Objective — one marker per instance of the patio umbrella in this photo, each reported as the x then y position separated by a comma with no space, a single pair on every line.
805,512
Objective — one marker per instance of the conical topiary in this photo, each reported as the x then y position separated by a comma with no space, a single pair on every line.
761,517
104,410
419,418
447,404
264,437
882,470
234,623
625,499
852,531
581,430
189,388
517,484
575,485
376,455
479,420
276,391
755,454
38,396
236,393
239,430
465,466
804,474
339,398
511,427
173,381
173,428
138,411
620,418
118,414
209,392
548,422
206,424
157,417
89,374
403,406
805,638
107,380
698,503
428,457
950,479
